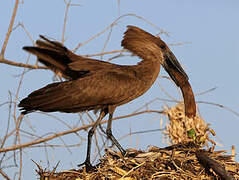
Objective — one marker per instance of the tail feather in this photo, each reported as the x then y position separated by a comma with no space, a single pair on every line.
54,45
48,57
55,56
49,98
62,61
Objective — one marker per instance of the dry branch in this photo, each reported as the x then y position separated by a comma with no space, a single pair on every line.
9,29
208,163
38,141
12,63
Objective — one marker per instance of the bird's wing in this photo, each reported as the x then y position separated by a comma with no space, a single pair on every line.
91,92
61,60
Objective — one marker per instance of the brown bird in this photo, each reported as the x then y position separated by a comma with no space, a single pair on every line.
98,85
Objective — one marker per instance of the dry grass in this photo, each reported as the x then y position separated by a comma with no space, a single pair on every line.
186,159
173,162
179,125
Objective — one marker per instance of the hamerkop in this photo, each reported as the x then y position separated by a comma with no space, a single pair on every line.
98,85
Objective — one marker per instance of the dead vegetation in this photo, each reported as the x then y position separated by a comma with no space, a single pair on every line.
173,162
180,125
187,159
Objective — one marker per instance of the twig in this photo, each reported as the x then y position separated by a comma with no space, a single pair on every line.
179,43
220,105
114,23
20,159
46,154
166,92
4,175
117,56
9,29
141,132
56,145
19,120
17,137
54,169
68,4
12,148
60,120
205,92
119,7
65,145
65,20
7,129
12,63
107,41
8,122
97,153
103,53
145,105
28,34
208,163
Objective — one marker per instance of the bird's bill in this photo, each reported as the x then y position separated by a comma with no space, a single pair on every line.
171,64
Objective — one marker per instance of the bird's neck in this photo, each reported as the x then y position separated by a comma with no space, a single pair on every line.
149,69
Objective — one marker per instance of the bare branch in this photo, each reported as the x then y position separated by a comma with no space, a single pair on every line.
113,24
20,146
179,43
221,106
9,29
205,92
68,4
65,20
104,53
4,175
8,122
119,7
107,41
12,63
28,34
142,132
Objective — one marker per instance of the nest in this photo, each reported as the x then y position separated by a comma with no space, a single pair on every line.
182,161
186,159
179,126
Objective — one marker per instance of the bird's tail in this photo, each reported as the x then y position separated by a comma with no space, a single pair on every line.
52,54
150,47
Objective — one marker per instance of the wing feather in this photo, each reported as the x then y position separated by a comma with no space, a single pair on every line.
88,93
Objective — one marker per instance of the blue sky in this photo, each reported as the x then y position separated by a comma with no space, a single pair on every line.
210,60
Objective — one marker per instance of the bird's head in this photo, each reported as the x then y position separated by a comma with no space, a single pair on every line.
151,48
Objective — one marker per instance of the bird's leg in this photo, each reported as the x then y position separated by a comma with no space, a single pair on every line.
102,129
110,135
90,134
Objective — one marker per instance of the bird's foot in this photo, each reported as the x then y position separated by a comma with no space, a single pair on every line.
123,152
88,166
119,154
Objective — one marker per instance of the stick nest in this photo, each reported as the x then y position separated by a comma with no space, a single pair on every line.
180,161
186,159
179,126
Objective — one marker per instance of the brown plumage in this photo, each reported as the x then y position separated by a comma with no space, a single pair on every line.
94,84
